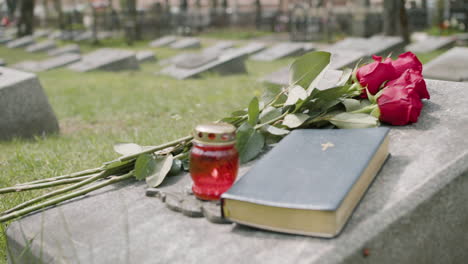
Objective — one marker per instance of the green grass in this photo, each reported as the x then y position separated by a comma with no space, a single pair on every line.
98,109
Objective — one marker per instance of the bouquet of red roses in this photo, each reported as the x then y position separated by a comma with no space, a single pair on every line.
396,88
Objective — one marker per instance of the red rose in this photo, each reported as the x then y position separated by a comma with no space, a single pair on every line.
373,75
412,80
407,61
399,106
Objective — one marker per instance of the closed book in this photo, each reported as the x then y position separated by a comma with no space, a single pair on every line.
310,183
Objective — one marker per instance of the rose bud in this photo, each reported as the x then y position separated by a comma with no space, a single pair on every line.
373,75
399,106
407,61
413,80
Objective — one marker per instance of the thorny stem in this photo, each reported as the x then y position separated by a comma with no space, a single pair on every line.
63,198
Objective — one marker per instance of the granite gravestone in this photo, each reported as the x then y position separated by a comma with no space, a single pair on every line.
42,46
193,65
162,42
214,50
431,43
376,45
414,212
107,60
21,42
282,50
451,66
41,33
71,48
253,47
25,111
145,56
219,47
2,62
48,64
5,39
186,43
87,35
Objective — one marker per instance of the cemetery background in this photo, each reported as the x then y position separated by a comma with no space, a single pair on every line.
99,109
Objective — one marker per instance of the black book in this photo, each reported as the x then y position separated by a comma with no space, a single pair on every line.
310,183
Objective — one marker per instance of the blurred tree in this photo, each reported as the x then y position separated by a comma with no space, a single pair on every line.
11,5
396,19
258,14
26,20
132,29
59,10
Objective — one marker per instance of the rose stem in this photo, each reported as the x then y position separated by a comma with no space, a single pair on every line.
63,198
66,176
20,188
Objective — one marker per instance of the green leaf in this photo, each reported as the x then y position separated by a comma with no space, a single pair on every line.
114,164
275,130
269,114
354,120
270,93
127,148
295,120
144,166
239,113
295,94
231,119
346,76
176,167
351,104
250,142
376,113
162,167
307,67
254,111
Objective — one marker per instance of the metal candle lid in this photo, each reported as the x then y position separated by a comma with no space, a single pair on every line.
215,134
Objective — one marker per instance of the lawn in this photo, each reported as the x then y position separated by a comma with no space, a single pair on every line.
98,109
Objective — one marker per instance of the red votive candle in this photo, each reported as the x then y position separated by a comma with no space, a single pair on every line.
214,160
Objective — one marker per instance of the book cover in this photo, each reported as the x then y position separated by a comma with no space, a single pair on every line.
310,182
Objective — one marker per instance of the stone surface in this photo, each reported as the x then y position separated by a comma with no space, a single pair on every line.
42,46
414,212
450,66
281,78
186,43
24,108
5,39
253,47
230,62
71,48
219,47
87,35
2,62
162,42
21,42
41,33
145,56
48,64
106,60
214,50
376,45
281,50
431,43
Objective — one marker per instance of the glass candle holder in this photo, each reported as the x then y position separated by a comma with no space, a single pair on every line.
214,160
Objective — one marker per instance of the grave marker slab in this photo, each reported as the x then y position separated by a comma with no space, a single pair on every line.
2,62
186,43
193,65
71,48
87,35
145,56
107,60
48,64
281,78
253,47
42,46
450,66
41,33
5,39
24,108
218,47
376,45
431,43
281,50
162,42
215,49
415,211
21,42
